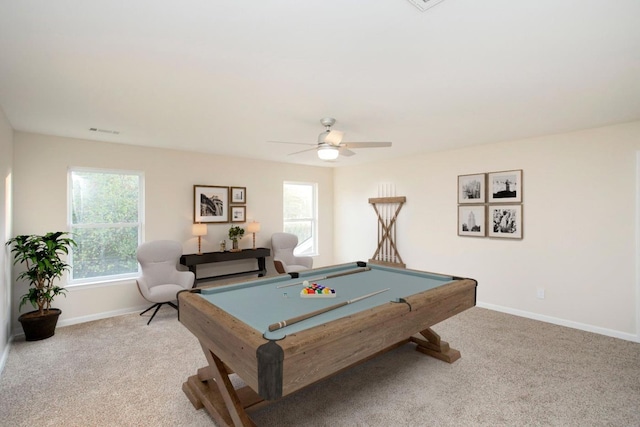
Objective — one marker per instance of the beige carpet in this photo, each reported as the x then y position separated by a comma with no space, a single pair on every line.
513,372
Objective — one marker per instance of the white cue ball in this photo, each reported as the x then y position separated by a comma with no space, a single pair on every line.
305,283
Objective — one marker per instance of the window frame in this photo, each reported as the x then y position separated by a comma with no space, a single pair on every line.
314,219
140,223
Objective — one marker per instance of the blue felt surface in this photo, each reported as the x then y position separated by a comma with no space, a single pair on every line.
260,303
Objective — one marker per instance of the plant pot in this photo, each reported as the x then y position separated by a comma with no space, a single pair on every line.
235,246
37,327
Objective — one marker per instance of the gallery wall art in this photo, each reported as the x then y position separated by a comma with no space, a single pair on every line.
490,204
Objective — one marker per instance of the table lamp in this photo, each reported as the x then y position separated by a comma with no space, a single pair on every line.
253,227
199,230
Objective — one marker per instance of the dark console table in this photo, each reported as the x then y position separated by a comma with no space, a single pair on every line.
193,260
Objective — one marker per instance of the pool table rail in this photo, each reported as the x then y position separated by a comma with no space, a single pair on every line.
226,336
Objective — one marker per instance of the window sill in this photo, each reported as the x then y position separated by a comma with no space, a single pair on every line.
101,283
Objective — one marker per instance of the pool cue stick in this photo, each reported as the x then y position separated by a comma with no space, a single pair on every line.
395,252
386,220
384,227
331,276
375,207
393,237
385,208
388,211
302,317
375,254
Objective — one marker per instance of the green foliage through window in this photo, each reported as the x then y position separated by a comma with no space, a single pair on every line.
106,221
300,217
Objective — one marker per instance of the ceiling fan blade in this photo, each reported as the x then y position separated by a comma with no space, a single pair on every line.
330,143
334,137
344,151
303,151
365,144
296,143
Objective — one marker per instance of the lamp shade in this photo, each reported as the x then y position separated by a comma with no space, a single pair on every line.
253,227
327,152
199,229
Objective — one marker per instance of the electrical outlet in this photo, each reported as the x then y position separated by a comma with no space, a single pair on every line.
540,293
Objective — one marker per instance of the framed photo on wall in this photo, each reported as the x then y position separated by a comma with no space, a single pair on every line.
471,188
471,221
505,187
239,195
505,221
210,203
238,213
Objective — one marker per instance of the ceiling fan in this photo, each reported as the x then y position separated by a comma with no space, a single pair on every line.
330,145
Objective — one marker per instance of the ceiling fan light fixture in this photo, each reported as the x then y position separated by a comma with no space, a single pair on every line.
327,152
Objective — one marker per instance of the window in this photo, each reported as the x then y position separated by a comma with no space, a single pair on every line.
106,217
300,215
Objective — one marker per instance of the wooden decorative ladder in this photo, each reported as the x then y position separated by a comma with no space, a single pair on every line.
387,209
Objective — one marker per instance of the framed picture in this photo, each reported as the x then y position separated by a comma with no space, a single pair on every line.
471,188
471,221
239,195
505,221
238,213
210,203
505,187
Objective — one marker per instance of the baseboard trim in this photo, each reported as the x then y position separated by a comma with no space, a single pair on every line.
92,317
561,322
98,316
521,313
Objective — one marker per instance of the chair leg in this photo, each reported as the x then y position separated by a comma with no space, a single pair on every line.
153,306
154,313
157,307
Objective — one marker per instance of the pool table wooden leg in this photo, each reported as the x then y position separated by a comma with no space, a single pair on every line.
434,346
212,389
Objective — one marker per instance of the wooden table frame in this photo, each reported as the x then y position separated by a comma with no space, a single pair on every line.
230,346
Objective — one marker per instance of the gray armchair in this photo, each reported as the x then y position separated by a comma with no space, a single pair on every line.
161,280
284,260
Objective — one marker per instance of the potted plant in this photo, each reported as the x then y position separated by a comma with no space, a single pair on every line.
235,234
42,256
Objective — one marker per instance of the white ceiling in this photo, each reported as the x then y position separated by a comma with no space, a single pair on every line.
226,76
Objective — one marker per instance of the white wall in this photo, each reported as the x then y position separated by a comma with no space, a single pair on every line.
579,217
6,160
40,205
579,225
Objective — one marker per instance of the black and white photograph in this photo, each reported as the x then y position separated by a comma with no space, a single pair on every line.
471,221
239,195
210,203
471,188
238,213
505,221
505,186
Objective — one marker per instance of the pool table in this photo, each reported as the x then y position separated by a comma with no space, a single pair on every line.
376,308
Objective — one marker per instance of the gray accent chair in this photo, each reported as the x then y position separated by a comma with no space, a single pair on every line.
284,260
161,280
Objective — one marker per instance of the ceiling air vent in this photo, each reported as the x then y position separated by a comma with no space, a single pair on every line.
113,132
424,4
